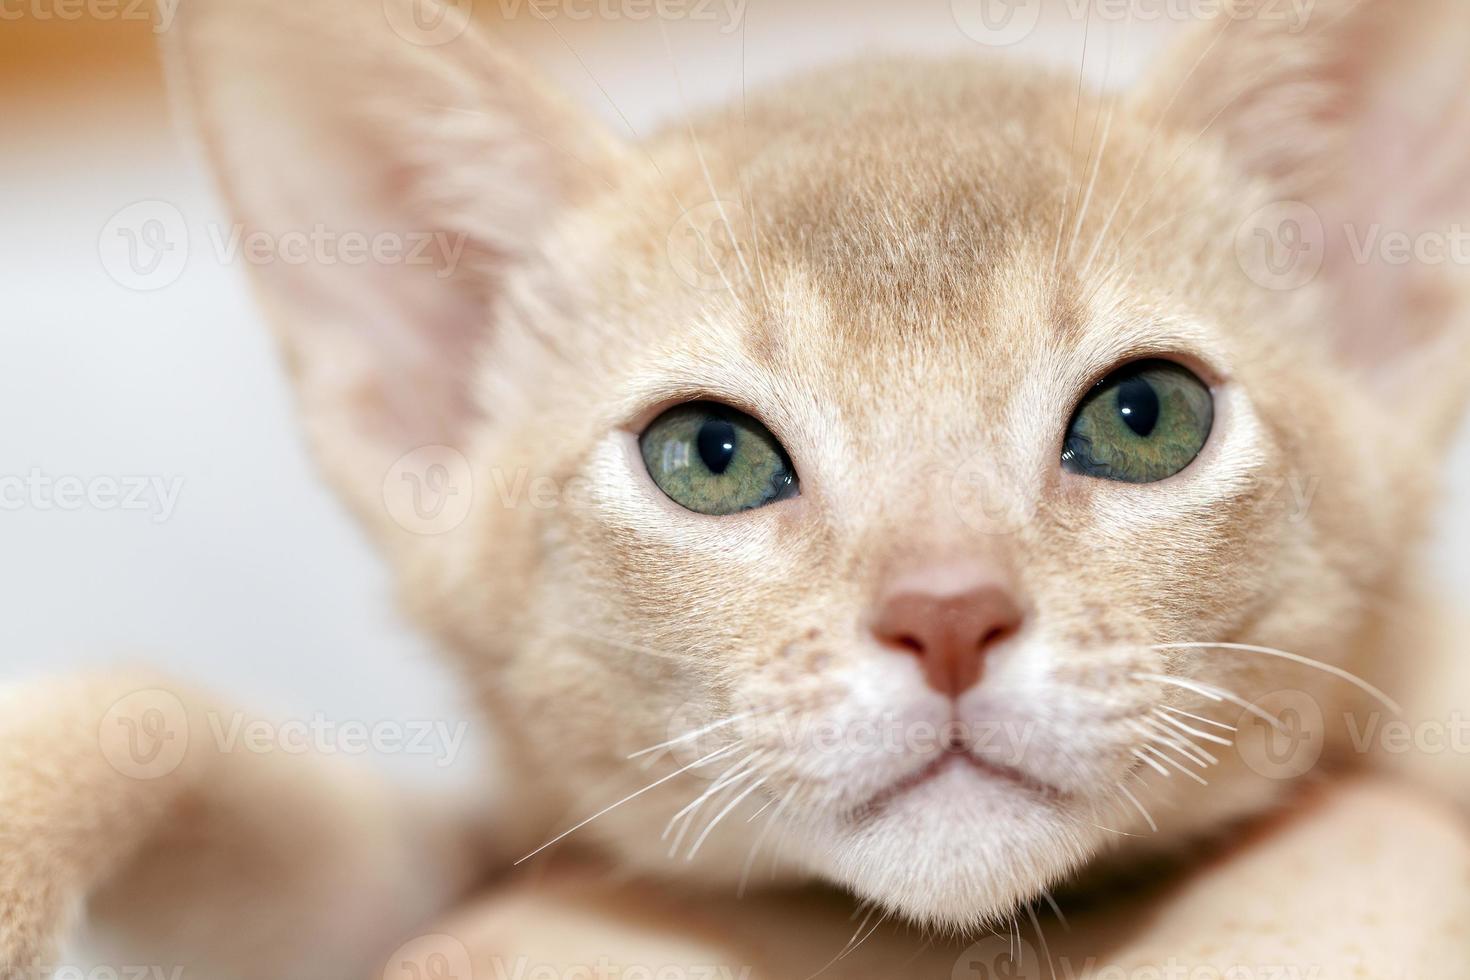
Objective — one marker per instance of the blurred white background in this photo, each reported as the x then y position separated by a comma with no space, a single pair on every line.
257,583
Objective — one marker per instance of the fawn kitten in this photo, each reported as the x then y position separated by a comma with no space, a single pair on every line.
898,434
914,434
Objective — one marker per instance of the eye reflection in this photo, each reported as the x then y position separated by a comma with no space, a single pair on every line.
713,459
1143,423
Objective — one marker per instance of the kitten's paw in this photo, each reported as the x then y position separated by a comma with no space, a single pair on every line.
69,812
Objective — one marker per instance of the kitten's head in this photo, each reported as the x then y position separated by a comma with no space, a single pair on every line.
865,447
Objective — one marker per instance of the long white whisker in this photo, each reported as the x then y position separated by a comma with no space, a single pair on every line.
903,967
850,943
1157,768
881,919
1056,910
1200,718
1110,830
1072,146
719,786
1159,742
699,151
1239,94
1095,163
731,775
750,859
1185,747
1217,694
669,187
689,812
1041,937
1122,259
1091,183
658,782
749,199
1337,672
1141,809
716,726
1172,762
1179,743
694,848
618,644
1148,142
1207,736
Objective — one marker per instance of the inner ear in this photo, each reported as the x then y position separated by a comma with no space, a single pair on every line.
1351,127
419,162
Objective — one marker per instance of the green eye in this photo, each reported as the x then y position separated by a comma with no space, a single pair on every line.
715,460
1144,422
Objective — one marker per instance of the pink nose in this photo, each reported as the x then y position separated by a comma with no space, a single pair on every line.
951,629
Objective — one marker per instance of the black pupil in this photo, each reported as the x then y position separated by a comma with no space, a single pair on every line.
717,445
1138,403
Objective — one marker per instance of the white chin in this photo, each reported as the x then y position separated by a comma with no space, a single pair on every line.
961,849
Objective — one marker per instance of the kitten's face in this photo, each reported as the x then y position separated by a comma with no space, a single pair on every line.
1013,413
902,336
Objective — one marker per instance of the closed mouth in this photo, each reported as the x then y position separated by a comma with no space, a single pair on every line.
945,760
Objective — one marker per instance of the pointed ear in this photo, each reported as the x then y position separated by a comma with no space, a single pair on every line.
386,166
1357,120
